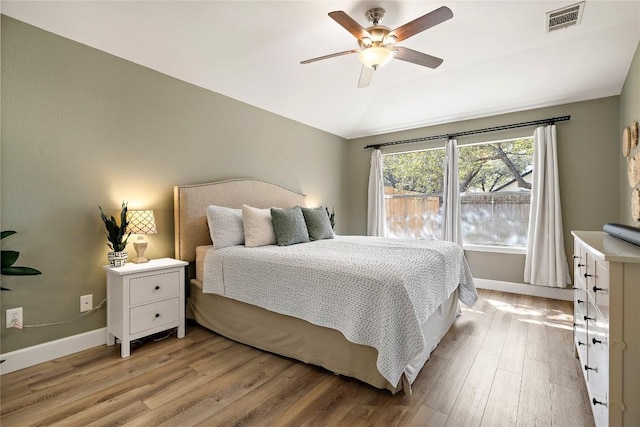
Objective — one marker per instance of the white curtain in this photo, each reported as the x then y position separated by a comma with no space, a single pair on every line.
376,224
546,261
451,229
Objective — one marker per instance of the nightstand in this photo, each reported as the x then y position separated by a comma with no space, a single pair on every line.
143,299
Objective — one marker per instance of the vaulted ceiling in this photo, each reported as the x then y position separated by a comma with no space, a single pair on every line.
498,56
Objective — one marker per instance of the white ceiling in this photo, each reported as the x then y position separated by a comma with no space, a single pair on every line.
497,55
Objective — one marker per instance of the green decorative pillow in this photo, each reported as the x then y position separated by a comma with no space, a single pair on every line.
318,223
289,226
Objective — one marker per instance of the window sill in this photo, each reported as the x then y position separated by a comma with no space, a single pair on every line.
515,250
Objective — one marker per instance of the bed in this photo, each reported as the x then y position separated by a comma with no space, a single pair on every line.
272,329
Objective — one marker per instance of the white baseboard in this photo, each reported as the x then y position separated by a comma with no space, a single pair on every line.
45,352
524,289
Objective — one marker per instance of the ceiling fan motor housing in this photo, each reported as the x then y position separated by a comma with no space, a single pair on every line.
378,38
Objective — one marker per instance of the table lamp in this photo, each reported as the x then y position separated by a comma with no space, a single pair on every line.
141,223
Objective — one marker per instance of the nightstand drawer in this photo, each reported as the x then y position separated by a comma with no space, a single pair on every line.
154,287
151,316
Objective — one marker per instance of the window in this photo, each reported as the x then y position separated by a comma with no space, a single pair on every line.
413,185
495,192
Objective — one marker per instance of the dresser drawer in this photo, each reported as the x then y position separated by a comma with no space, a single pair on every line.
150,316
600,408
597,352
154,287
580,299
580,333
599,287
579,265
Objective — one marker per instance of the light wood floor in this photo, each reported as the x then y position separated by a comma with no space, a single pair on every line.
508,361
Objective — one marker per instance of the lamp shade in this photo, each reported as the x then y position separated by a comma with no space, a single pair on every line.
141,222
376,56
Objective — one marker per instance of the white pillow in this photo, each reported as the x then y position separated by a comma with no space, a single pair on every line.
225,226
258,228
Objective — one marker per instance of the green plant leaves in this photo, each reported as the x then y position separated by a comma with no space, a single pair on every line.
116,233
7,234
9,258
20,271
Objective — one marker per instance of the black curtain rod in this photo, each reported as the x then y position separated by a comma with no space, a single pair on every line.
473,132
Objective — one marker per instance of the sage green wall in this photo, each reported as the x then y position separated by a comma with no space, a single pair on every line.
81,127
588,156
629,111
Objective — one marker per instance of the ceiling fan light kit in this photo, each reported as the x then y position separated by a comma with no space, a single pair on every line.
376,57
377,42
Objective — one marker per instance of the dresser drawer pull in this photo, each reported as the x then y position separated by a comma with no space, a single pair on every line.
580,301
576,257
596,289
581,343
588,275
587,318
589,368
596,402
595,341
157,287
581,265
157,315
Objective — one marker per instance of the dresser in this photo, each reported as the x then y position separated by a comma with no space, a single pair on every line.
143,299
607,325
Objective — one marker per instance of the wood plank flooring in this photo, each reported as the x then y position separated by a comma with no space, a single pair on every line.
509,361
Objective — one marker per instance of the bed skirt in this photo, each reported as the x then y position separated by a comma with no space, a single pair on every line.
296,338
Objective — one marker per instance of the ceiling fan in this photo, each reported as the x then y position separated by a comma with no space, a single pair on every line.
378,43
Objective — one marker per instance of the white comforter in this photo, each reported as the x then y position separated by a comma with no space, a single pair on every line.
376,291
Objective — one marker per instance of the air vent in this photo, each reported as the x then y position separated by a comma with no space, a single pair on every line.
565,17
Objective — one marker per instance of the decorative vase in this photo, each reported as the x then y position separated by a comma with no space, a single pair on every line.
117,259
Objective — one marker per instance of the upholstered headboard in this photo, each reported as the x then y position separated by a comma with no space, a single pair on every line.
190,207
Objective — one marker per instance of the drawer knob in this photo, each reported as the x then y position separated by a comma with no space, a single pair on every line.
576,257
595,341
157,287
589,368
587,275
582,343
596,289
580,301
581,265
587,318
157,315
596,402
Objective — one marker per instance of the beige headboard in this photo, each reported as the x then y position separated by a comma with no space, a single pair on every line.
190,207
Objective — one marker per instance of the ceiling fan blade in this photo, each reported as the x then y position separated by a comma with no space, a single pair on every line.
333,55
415,57
366,74
349,24
427,21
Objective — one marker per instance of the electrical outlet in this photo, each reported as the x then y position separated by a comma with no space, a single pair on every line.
86,302
14,316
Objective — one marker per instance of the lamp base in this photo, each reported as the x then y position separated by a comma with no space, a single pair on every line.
140,246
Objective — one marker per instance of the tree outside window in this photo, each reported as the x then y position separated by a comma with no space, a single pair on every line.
495,184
